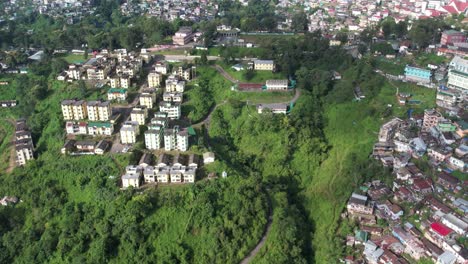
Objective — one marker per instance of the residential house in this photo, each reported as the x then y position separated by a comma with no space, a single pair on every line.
359,204
208,157
100,128
458,74
76,128
148,98
101,147
448,181
149,174
154,137
456,224
431,119
450,37
161,67
176,139
183,36
173,97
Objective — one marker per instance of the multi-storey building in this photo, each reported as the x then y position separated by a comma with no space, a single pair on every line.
183,36
154,79
74,109
185,74
359,204
97,73
161,67
148,98
264,65
450,37
23,143
74,72
154,137
98,110
171,108
173,84
173,97
458,74
139,114
431,119
129,132
175,139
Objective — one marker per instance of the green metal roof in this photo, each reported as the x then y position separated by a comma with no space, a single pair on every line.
100,124
117,90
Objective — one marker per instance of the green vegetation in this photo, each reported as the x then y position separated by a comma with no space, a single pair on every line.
74,58
258,76
394,67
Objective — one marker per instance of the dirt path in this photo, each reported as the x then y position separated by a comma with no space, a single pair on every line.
208,117
12,160
225,74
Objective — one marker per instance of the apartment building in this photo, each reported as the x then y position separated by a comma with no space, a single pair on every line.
173,84
173,97
97,73
129,132
449,37
458,74
183,36
76,128
154,137
24,147
139,115
161,67
171,108
431,119
154,79
148,98
176,139
185,74
264,65
74,109
98,110
74,72
120,81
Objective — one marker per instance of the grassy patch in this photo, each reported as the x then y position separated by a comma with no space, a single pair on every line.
74,58
259,77
394,67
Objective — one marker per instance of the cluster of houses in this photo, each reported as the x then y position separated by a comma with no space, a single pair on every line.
423,213
24,146
160,133
166,169
117,69
85,147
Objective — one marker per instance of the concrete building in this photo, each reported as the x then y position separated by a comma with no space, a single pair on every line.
122,81
274,108
183,36
458,74
173,84
276,85
139,115
148,98
431,119
118,94
176,139
449,37
173,97
264,65
129,132
24,147
154,137
100,128
171,108
98,110
74,109
154,79
415,74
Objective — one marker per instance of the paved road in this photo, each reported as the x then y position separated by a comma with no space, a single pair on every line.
262,241
187,57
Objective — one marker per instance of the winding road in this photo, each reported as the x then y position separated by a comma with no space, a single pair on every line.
262,241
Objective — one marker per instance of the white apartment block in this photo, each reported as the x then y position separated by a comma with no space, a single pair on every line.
147,100
458,74
154,79
276,85
174,139
173,97
129,132
172,109
120,82
98,110
139,115
97,73
100,128
154,137
24,151
173,84
161,67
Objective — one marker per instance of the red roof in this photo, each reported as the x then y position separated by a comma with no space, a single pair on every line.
461,6
441,229
450,9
